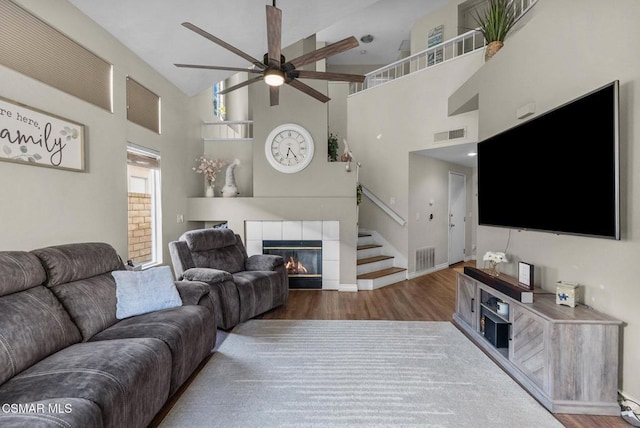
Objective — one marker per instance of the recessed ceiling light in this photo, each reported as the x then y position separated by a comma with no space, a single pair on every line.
368,38
471,154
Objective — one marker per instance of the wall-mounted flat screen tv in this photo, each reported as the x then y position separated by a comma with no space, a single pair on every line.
558,172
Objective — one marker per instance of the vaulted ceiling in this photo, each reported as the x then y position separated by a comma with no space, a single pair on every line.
152,30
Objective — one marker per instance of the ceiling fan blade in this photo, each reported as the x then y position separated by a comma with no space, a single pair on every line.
274,95
240,85
327,51
215,67
340,77
308,90
274,35
224,44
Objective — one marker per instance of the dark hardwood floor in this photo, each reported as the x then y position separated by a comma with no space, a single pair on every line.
427,298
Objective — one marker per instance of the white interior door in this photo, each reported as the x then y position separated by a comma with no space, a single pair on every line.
457,209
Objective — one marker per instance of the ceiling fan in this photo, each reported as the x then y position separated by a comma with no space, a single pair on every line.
274,69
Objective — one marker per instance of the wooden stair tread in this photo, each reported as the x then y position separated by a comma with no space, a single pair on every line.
368,247
373,259
381,273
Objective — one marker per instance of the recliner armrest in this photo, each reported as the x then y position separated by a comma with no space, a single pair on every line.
264,262
191,292
210,276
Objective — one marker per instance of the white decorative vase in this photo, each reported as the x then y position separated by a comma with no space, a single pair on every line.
209,192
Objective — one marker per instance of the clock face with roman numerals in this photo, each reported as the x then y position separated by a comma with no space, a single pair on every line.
289,148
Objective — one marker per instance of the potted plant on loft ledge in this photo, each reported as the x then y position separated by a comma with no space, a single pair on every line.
495,23
332,147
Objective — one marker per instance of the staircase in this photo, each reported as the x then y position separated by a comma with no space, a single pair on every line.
375,269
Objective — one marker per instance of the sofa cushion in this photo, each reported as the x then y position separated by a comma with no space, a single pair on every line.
264,262
208,239
259,292
188,331
216,248
193,292
128,379
141,292
33,325
74,262
208,275
19,271
225,301
56,413
91,302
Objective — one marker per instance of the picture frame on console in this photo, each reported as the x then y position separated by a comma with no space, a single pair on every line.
525,275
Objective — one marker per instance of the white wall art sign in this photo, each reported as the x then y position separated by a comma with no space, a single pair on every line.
35,137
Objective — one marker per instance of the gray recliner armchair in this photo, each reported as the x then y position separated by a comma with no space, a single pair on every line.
242,287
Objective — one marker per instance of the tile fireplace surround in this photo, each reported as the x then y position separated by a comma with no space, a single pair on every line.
326,231
333,220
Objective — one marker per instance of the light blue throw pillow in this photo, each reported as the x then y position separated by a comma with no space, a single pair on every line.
140,292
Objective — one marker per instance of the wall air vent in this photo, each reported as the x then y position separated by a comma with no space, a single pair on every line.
449,135
425,258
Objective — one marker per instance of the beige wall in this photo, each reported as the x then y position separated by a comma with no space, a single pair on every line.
42,206
388,122
447,16
429,180
337,108
546,64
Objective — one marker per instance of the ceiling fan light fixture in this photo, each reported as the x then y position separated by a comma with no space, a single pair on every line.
367,38
274,77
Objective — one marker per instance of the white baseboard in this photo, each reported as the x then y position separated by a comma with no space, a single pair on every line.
412,275
348,287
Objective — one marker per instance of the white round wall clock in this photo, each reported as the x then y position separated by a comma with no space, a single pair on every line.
289,148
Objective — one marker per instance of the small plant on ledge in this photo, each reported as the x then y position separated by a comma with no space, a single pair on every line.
333,147
495,23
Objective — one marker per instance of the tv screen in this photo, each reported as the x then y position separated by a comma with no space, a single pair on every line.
558,172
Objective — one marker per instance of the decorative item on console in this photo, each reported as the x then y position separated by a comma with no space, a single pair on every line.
209,168
494,259
503,308
525,275
230,190
566,293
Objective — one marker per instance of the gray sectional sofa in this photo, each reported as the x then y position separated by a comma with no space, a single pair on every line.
67,361
242,287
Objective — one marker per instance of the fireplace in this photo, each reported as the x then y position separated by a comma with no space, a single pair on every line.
303,260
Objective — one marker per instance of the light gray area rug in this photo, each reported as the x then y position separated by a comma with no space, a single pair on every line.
370,374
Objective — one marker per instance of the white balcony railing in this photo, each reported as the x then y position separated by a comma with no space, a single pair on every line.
227,130
463,44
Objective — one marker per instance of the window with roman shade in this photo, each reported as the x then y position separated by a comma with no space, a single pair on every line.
143,106
32,47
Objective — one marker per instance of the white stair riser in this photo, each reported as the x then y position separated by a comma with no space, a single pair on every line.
371,252
365,240
372,284
372,267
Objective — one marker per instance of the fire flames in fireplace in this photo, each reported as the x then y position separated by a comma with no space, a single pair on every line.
302,260
295,267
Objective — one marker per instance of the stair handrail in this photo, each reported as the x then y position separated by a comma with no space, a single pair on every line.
384,207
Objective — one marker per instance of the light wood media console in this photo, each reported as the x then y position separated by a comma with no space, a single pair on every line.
567,358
